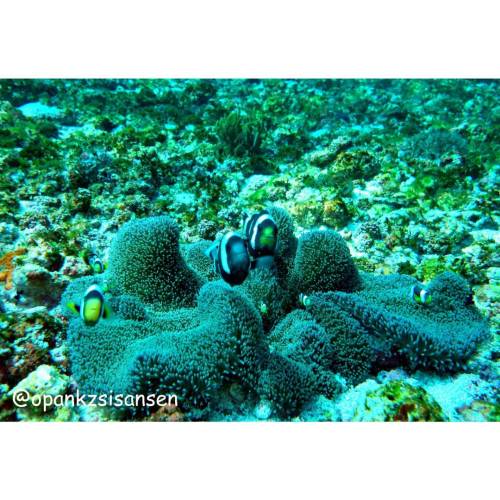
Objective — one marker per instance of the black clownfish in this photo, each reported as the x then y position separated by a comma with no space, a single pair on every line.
230,258
261,233
420,295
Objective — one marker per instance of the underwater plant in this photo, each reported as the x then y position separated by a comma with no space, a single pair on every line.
241,135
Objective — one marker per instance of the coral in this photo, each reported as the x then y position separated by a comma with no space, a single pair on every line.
38,285
440,336
353,164
44,381
167,413
430,267
188,352
25,341
481,411
7,409
145,261
432,144
207,229
336,212
80,201
398,401
6,261
323,263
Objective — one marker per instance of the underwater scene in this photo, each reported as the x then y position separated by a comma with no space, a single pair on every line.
249,250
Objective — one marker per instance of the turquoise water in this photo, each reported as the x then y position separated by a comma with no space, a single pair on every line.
376,298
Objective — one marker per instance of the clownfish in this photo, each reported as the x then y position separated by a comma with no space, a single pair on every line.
304,300
420,295
96,264
261,233
92,307
230,258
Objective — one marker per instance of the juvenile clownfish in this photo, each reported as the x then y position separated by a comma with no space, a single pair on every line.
263,308
420,295
96,264
261,233
92,307
230,258
304,300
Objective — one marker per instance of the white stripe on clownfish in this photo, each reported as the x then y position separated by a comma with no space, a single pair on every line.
256,226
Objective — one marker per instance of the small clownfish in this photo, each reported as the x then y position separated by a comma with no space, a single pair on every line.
92,307
263,308
96,264
304,300
230,258
420,295
261,233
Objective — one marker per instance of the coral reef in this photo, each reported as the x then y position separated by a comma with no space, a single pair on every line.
373,184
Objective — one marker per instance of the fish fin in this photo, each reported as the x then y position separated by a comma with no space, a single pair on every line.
210,251
106,312
73,307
